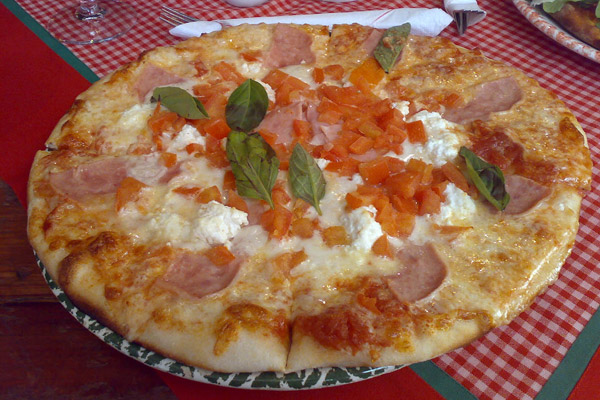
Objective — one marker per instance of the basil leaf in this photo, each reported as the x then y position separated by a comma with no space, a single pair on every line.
488,179
597,12
247,106
390,46
306,178
254,164
554,6
179,101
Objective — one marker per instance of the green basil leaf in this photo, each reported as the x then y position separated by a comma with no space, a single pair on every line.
179,101
488,179
554,6
306,178
597,12
247,106
254,164
390,46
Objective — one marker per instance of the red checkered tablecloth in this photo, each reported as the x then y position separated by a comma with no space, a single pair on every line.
514,361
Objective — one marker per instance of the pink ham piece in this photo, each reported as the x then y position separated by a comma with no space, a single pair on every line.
99,177
196,275
494,96
524,194
153,76
372,40
290,46
281,121
422,272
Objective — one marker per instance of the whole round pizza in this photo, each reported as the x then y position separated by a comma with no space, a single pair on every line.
280,197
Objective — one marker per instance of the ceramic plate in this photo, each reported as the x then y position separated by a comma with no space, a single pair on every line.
553,30
306,379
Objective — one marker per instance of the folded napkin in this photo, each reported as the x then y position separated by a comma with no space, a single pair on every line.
424,21
469,8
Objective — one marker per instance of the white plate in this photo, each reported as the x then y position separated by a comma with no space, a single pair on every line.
554,31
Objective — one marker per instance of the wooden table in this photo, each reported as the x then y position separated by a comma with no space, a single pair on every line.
46,353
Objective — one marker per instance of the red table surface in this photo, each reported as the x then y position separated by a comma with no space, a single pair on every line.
46,88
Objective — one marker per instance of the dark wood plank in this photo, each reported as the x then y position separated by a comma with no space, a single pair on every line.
20,277
46,353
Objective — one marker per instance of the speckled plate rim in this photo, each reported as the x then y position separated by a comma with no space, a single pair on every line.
554,31
313,378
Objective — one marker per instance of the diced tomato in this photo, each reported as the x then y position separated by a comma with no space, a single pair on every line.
277,221
251,55
200,68
370,129
269,137
129,190
349,96
361,145
303,227
403,184
375,171
395,165
346,167
429,202
370,70
355,200
162,121
416,132
217,128
229,180
219,255
330,117
275,78
402,205
168,159
451,100
229,72
279,194
234,200
318,75
335,236
302,130
334,71
194,148
454,175
422,168
382,247
209,194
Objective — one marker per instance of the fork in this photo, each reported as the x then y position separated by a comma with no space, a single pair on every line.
174,17
462,19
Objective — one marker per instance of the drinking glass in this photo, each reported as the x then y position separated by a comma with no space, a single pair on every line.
92,21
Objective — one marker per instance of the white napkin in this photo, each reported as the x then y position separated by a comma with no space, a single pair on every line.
475,15
424,21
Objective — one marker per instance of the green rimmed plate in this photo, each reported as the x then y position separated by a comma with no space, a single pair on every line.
313,378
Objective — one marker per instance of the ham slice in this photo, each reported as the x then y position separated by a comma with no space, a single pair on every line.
290,46
494,96
422,272
153,76
524,194
372,40
281,121
99,177
196,275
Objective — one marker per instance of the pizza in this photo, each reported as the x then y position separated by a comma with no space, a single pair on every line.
581,18
281,197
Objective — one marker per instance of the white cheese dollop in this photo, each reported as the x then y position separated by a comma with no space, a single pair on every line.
458,207
187,135
442,143
362,227
216,223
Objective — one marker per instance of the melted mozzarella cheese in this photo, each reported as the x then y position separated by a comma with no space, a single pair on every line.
216,223
458,207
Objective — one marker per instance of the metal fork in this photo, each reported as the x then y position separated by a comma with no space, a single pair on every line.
462,19
173,17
